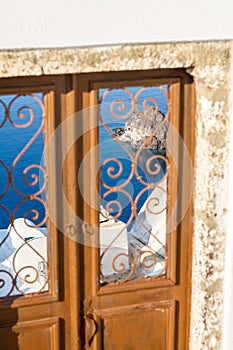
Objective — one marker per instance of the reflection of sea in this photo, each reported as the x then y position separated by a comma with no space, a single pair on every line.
110,149
12,142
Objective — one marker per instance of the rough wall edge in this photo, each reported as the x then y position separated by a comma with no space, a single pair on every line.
228,278
112,58
211,206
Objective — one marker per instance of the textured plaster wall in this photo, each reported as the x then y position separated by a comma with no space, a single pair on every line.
211,204
64,23
115,58
210,63
228,282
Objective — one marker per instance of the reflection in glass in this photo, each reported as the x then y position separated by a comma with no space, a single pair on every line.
23,243
133,182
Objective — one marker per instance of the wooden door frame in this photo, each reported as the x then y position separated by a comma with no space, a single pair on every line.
185,101
71,303
57,310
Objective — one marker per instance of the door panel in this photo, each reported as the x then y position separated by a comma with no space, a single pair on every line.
40,318
155,324
121,303
45,331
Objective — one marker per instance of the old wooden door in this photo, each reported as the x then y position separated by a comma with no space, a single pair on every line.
127,285
136,266
38,268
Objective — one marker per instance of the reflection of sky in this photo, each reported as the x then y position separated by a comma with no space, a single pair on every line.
109,148
12,142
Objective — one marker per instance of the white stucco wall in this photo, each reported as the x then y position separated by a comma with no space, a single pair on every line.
64,23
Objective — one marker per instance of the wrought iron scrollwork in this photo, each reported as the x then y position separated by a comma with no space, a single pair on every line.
28,183
147,250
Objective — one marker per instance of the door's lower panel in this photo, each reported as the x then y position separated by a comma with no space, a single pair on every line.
39,335
150,326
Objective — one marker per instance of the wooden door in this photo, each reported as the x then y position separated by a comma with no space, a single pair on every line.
38,309
141,301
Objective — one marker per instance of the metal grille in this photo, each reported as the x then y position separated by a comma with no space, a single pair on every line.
23,245
133,183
